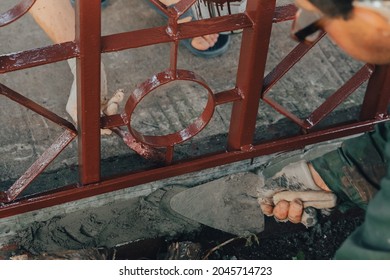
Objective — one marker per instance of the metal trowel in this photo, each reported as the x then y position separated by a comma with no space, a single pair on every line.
228,204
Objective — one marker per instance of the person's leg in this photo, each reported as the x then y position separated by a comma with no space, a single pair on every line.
56,18
372,239
354,171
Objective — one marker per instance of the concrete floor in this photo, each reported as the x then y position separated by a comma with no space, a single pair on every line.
25,135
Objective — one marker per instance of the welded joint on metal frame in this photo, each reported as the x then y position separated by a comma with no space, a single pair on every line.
143,150
247,148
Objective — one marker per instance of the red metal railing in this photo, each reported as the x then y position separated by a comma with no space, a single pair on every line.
250,88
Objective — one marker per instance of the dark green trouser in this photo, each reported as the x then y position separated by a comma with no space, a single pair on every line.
354,172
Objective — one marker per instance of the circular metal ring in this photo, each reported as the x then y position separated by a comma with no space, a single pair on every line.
156,81
15,12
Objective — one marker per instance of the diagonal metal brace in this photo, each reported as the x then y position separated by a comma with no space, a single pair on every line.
38,166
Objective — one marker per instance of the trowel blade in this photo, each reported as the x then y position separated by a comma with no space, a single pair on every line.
228,204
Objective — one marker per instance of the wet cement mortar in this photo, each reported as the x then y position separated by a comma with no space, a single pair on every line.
110,230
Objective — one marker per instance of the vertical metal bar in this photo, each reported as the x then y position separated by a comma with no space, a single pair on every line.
377,95
88,32
169,154
172,31
253,56
173,56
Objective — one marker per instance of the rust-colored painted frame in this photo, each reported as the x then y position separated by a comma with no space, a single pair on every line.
250,88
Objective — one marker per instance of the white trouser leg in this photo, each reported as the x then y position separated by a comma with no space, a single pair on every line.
71,106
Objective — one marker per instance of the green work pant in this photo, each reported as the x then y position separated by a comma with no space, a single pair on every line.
355,172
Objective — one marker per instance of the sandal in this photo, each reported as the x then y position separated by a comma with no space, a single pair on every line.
220,47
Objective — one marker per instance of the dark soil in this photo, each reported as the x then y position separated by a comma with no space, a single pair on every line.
279,241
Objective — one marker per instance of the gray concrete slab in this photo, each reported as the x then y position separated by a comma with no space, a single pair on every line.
25,135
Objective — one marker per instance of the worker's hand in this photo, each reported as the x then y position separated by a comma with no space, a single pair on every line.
292,195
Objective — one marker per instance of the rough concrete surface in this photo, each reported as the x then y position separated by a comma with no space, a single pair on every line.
109,226
25,135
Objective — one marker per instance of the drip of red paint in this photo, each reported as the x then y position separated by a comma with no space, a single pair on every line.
218,4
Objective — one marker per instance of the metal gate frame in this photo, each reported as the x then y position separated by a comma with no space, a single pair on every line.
251,87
